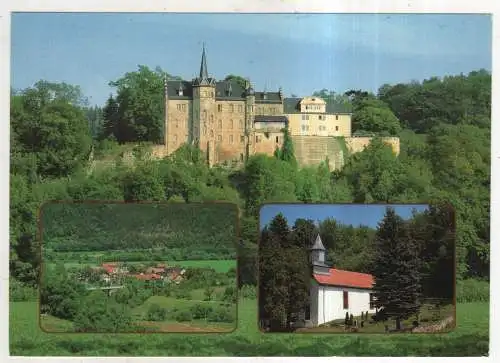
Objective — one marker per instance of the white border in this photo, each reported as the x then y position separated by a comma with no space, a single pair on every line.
256,6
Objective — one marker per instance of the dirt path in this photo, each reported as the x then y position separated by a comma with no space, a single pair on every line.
183,328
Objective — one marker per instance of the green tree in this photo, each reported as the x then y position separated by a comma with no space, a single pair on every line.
50,130
396,268
140,98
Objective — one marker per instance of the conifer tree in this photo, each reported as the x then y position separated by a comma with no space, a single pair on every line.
284,275
396,269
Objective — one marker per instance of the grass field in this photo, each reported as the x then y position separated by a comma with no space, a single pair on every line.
217,265
470,338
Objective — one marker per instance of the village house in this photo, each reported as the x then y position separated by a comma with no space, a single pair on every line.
334,292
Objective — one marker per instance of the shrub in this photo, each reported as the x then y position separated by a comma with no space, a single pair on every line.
230,294
473,290
184,316
21,292
248,292
156,313
183,294
221,315
200,311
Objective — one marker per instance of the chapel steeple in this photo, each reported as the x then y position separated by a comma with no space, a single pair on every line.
318,252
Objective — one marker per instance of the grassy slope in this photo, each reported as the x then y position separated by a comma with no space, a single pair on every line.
469,339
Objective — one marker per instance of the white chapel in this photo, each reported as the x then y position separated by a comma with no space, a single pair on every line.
336,292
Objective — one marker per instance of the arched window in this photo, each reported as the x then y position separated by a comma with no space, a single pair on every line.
220,124
211,118
231,124
204,114
211,133
204,131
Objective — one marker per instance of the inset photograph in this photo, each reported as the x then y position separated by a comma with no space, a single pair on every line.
361,268
138,267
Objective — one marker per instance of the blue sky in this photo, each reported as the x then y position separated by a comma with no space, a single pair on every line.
355,214
301,53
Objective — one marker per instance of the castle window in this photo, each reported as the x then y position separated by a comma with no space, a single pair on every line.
212,94
240,108
219,137
230,139
231,124
319,117
175,139
241,124
242,139
220,124
219,108
303,117
212,134
336,117
346,299
176,124
184,108
204,114
204,131
336,128
211,118
257,139
277,139
231,108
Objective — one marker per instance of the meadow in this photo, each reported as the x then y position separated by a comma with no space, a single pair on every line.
470,338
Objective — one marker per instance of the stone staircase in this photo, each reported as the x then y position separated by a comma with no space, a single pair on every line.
312,150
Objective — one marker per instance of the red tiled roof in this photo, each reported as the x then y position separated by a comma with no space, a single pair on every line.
148,277
345,278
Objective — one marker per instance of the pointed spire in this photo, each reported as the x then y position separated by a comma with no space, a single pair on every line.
203,66
318,244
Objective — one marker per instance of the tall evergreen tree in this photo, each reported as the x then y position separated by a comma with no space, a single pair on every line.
284,275
396,268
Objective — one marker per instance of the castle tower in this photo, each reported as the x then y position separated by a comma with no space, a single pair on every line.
250,113
204,110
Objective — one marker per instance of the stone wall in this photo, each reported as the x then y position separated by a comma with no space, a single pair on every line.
312,150
358,144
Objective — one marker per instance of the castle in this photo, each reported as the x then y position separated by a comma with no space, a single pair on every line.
230,122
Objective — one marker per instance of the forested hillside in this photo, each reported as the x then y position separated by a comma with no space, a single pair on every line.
185,230
444,126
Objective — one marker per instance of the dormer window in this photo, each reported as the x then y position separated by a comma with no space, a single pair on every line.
180,92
